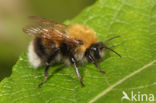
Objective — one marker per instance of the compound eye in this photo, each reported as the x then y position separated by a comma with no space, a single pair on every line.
94,49
95,52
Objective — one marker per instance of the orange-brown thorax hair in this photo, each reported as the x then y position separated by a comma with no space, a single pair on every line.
83,33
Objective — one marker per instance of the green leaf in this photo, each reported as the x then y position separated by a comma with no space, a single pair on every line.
135,22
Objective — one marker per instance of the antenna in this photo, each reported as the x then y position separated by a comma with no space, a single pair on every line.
111,39
104,46
112,51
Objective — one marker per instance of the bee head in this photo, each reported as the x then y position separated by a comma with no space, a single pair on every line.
97,50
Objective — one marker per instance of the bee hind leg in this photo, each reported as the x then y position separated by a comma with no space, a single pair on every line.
73,61
46,72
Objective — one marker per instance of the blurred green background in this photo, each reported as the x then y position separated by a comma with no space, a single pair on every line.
13,17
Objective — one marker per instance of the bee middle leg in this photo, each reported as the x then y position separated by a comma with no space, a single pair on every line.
73,61
46,72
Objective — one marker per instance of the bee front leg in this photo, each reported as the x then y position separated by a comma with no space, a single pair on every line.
73,61
94,62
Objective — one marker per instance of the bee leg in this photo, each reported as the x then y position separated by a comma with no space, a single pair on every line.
73,61
46,72
94,62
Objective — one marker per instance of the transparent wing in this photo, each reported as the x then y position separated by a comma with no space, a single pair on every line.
44,20
43,24
48,29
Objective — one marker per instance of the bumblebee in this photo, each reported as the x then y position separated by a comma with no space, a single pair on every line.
55,42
